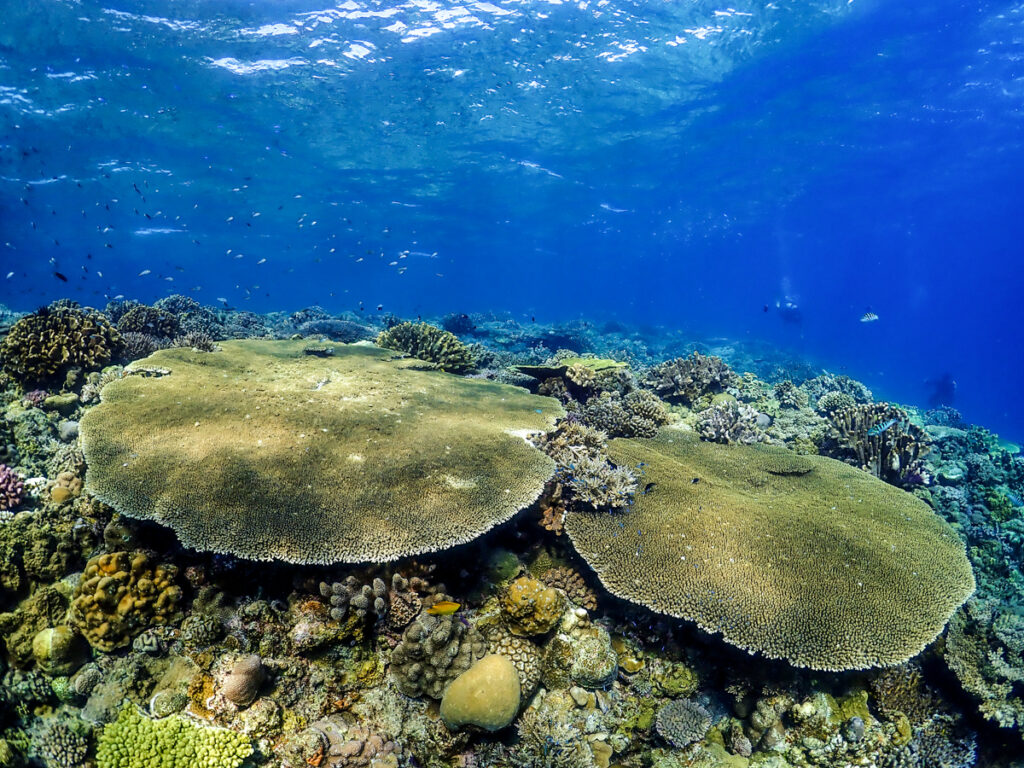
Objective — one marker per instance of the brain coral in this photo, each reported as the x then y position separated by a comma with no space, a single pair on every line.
263,452
42,346
801,558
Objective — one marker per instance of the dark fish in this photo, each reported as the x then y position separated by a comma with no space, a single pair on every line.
648,488
695,481
60,277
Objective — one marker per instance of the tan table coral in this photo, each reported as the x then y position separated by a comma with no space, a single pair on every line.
264,452
801,558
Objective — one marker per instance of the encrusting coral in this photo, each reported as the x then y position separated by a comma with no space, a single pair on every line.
122,593
430,343
225,445
43,346
797,557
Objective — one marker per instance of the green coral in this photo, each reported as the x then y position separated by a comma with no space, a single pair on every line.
264,452
430,343
135,741
43,346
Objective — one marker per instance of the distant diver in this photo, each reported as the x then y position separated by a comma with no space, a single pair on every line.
789,311
942,390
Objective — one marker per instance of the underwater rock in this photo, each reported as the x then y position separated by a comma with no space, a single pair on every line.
796,557
224,446
530,607
486,695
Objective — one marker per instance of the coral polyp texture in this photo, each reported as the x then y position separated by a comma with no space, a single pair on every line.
801,558
430,343
261,451
43,346
12,490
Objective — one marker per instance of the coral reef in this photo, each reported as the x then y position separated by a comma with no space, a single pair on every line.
45,345
530,607
335,329
682,722
817,387
208,450
434,651
880,439
833,401
485,695
12,489
730,422
136,741
60,746
808,583
525,655
690,379
151,321
122,593
572,583
429,343
636,414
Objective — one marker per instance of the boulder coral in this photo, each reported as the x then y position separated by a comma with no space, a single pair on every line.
531,607
122,593
801,558
485,695
43,346
261,451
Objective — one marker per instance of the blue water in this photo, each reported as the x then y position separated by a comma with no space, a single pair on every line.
675,163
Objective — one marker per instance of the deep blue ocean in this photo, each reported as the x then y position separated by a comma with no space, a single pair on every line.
683,164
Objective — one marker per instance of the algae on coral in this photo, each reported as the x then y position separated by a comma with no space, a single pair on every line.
263,452
797,557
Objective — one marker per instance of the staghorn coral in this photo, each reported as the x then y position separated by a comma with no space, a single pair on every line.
222,448
120,594
796,557
636,414
880,439
689,379
45,345
135,345
434,651
430,343
730,422
12,489
548,740
598,483
681,722
136,741
150,321
530,607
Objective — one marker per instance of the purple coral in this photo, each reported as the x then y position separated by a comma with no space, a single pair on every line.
35,397
12,490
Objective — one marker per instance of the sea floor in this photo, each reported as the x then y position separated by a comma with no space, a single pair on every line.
122,647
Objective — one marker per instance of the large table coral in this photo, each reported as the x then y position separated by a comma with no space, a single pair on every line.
264,452
797,557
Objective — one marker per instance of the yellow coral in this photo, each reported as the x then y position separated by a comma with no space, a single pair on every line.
531,607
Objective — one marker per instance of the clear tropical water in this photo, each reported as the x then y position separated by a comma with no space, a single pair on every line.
680,163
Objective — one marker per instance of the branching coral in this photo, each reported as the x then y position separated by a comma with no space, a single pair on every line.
730,423
149,320
12,490
45,345
681,722
789,395
430,343
880,439
636,414
433,652
688,379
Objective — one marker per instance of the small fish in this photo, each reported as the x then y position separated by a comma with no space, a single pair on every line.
144,272
443,608
60,277
261,261
880,428
868,317
10,275
1015,499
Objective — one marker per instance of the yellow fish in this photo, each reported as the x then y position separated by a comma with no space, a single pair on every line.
443,608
